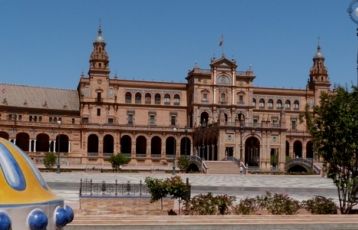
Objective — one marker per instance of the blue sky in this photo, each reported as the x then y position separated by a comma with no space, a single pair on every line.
48,43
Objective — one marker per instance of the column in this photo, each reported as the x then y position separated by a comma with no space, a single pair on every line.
291,151
54,146
69,146
30,145
304,147
35,146
49,146
133,149
207,152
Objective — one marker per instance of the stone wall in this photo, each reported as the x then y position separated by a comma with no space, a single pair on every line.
123,206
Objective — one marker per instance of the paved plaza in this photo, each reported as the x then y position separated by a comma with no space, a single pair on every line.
300,187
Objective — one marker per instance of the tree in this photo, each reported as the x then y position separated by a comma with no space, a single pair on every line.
49,160
118,160
158,189
334,129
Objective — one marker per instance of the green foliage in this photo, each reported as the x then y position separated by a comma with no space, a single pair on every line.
246,206
49,160
118,160
334,128
320,205
183,163
278,204
274,160
174,187
157,188
224,203
207,204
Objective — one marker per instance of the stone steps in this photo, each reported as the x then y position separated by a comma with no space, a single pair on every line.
222,167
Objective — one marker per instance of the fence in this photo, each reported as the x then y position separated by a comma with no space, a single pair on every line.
88,188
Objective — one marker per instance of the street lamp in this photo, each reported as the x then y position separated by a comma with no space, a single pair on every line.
58,150
174,171
241,120
353,13
186,139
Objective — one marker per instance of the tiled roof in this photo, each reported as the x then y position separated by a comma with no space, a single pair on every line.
38,97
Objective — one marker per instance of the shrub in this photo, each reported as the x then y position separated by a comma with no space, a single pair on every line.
278,204
183,163
207,204
202,204
118,160
49,160
320,205
224,202
246,206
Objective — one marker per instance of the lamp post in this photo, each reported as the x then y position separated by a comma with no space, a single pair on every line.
174,171
353,13
58,150
241,120
186,139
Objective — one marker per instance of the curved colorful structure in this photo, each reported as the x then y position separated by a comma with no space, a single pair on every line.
26,202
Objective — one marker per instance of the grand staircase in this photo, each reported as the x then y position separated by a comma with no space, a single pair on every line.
222,167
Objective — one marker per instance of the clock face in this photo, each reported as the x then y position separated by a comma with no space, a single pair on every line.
353,11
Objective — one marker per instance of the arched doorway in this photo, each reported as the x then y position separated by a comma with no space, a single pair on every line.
22,141
170,147
204,117
92,145
141,145
156,146
297,148
126,144
309,150
4,135
42,143
108,145
252,152
62,143
185,146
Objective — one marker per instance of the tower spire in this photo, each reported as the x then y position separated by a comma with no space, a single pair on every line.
99,58
318,72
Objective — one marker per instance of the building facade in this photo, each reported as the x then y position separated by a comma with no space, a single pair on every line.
218,114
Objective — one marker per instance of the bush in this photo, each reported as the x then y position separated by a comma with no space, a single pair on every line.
224,202
320,205
183,163
118,160
49,160
278,204
246,206
207,204
202,204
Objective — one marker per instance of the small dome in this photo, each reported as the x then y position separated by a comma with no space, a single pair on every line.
99,37
319,53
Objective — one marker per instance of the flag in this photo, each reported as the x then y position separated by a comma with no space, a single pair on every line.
221,43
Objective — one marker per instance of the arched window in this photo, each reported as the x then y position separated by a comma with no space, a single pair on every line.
223,80
288,104
270,104
138,98
279,104
166,99
148,98
253,102
262,103
128,98
296,105
157,99
176,99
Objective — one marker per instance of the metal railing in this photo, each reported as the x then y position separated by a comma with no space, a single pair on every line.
88,188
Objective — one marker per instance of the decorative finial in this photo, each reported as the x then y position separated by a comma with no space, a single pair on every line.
99,33
318,53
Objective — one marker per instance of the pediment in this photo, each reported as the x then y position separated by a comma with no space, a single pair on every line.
224,63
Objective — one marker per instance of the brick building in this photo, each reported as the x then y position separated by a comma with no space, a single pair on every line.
218,115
